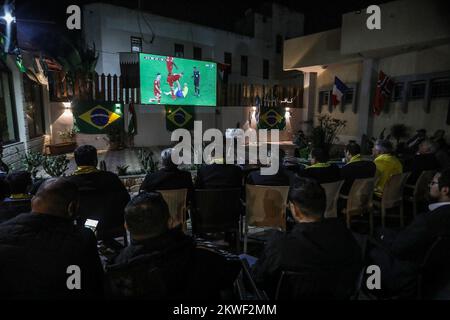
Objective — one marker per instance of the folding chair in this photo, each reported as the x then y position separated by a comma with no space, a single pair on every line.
332,193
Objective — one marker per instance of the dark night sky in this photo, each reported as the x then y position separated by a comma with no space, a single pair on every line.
320,15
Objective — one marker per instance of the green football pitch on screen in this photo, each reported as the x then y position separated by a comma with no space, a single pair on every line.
175,81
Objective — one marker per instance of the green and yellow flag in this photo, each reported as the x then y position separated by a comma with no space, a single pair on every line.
179,118
95,117
272,118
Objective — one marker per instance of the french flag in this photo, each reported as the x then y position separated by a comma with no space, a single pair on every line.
339,89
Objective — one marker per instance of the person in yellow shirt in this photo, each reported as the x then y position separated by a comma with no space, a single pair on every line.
387,164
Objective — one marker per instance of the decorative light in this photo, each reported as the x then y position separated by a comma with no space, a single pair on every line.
8,17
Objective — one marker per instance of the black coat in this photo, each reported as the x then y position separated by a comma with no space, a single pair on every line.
219,176
170,266
309,247
282,178
356,170
322,175
103,197
35,252
11,208
400,256
420,163
169,179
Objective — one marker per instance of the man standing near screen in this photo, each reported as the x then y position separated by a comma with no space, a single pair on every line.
196,77
157,89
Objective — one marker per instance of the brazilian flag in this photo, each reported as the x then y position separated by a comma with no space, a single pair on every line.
272,118
94,117
179,118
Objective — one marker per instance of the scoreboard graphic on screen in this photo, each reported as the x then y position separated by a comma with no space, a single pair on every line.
169,80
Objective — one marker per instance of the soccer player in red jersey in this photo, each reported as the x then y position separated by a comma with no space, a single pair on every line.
174,78
170,64
157,89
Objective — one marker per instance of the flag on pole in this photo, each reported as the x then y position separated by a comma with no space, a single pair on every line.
132,128
339,89
384,90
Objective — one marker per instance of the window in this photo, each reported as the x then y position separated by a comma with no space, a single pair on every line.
136,44
179,50
244,66
417,90
324,98
279,43
33,107
348,96
398,92
197,53
227,59
440,88
265,69
8,122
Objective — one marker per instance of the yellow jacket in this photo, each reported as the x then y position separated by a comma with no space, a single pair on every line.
387,166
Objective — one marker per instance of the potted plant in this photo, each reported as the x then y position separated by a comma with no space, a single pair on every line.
55,166
326,133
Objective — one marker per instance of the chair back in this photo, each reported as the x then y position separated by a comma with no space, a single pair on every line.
317,284
360,196
421,187
176,201
216,210
266,206
393,190
332,192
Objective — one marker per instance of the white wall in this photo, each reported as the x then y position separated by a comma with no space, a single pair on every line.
110,28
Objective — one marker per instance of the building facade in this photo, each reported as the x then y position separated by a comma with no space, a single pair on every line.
412,47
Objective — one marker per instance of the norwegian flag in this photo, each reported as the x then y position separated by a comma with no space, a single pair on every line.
385,86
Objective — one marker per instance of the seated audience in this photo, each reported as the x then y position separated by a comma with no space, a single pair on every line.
400,254
37,248
282,178
219,175
356,167
387,164
103,196
314,245
161,261
19,201
169,177
424,160
320,170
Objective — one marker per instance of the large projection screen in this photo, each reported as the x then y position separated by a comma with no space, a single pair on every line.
175,81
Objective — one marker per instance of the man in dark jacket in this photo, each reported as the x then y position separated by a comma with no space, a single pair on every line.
356,167
320,170
424,160
400,255
163,262
219,176
315,245
282,178
103,196
19,201
39,249
169,177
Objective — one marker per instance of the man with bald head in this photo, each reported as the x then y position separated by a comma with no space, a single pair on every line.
37,248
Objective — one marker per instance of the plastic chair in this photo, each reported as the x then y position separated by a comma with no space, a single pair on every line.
265,207
360,200
332,192
392,196
176,201
420,189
